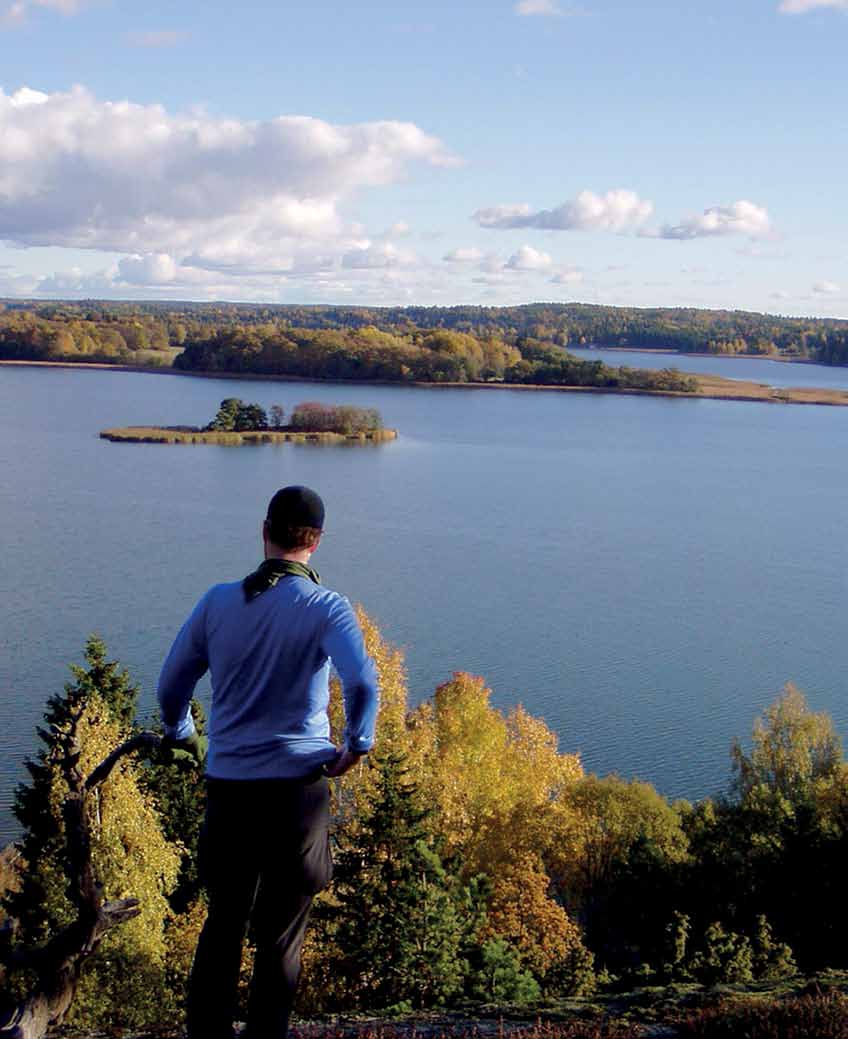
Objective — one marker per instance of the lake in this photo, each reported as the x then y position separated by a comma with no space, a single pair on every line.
753,369
644,573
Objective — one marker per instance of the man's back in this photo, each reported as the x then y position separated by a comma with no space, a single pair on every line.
269,661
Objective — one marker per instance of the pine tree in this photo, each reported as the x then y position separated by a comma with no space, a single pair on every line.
500,977
397,920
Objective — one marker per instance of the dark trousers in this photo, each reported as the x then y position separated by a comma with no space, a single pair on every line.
264,852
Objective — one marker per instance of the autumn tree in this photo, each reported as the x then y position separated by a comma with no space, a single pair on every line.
523,912
792,748
496,780
125,983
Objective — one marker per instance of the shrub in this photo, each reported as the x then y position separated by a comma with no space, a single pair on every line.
820,1016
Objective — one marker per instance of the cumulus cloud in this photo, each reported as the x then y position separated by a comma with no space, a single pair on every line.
528,259
376,255
827,288
468,255
618,210
803,6
154,269
742,217
215,193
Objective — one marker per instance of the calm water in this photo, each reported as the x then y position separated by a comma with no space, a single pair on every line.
754,369
644,573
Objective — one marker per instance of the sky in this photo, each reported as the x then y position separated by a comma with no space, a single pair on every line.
501,152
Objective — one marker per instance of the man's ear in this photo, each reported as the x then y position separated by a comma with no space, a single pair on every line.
265,536
315,543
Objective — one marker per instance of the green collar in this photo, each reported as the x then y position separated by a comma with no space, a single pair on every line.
270,572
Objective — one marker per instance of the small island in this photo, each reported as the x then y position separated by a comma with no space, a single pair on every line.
238,422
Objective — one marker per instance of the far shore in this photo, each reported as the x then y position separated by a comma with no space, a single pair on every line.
712,387
696,353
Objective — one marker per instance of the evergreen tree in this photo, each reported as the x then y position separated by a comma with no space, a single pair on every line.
250,416
398,925
500,977
225,419
724,957
772,959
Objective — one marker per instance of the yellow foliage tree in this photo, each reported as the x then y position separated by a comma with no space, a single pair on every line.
132,859
522,911
792,748
358,786
608,817
496,781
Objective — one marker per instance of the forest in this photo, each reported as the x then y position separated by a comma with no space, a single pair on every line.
476,862
429,343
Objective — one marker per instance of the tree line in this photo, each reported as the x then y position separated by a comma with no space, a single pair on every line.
474,860
93,330
234,415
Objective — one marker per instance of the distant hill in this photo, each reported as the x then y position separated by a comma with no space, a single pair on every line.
94,329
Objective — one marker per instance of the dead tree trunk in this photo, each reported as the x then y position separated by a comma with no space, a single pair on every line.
58,963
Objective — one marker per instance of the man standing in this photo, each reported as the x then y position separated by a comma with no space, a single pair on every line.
267,642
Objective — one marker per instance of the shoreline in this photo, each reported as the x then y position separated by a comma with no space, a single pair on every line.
710,387
191,435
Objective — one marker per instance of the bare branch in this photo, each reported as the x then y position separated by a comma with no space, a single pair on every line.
59,961
143,740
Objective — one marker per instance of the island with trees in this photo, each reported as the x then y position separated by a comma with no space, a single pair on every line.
239,422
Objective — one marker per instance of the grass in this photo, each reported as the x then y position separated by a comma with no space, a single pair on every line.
191,435
822,1015
717,387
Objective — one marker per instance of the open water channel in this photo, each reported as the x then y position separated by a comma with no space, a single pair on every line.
644,573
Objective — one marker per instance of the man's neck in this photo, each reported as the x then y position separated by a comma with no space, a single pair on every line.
301,556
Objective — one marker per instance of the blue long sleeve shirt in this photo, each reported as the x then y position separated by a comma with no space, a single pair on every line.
269,662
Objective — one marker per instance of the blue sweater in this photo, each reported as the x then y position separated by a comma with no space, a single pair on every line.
269,662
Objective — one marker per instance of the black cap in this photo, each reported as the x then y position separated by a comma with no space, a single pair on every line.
296,507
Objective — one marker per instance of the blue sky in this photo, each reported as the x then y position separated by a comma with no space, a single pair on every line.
644,154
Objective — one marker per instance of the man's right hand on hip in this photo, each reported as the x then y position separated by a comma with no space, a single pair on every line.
343,763
191,750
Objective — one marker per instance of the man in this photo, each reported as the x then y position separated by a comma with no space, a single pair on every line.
264,852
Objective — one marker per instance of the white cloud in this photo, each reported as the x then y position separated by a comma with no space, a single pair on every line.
618,210
567,276
545,8
469,255
377,255
827,288
153,269
15,13
219,194
528,259
741,217
803,6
